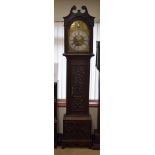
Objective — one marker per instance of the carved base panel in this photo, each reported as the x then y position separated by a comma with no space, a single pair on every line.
76,131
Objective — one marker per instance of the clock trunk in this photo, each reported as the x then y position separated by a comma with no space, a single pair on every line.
78,68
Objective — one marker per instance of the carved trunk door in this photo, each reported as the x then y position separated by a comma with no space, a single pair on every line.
79,87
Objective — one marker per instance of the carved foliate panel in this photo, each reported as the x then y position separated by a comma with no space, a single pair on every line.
78,102
77,129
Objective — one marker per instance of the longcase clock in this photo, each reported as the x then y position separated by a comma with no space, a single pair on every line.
78,41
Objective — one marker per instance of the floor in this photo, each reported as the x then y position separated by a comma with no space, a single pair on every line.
75,151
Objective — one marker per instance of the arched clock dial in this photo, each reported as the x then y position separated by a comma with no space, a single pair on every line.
78,37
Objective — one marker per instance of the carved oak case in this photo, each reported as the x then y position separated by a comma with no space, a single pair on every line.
78,41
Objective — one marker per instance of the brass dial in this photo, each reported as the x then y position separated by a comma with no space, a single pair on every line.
78,37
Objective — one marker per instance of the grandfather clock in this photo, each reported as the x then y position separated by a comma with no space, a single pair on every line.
78,41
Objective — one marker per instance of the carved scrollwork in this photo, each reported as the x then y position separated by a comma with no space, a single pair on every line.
78,87
77,130
74,8
85,8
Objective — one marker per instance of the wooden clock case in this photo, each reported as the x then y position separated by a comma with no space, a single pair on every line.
77,122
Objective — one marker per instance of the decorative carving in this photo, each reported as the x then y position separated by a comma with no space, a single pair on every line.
77,129
84,8
79,72
78,11
73,9
83,14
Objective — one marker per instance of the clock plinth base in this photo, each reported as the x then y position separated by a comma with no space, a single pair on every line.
76,131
